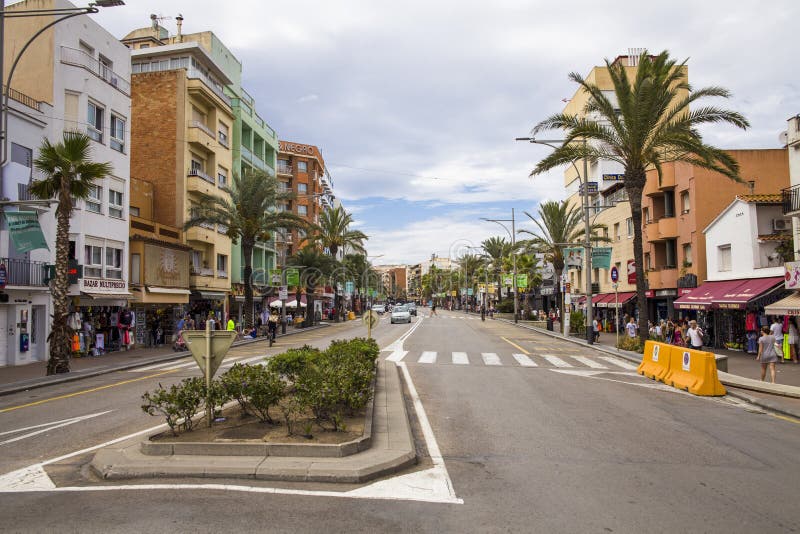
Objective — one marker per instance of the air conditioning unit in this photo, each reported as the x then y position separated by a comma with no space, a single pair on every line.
781,224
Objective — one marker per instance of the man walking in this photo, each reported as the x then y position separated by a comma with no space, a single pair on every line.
695,335
631,328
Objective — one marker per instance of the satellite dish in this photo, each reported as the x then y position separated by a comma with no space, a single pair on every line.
783,138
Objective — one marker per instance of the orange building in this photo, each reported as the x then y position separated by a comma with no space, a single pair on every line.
677,209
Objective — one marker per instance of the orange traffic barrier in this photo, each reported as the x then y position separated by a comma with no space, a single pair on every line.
656,360
694,371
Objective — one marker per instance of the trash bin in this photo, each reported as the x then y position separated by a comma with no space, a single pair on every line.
550,323
351,316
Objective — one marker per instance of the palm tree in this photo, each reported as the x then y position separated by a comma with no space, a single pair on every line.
334,232
249,216
471,264
498,250
314,267
558,224
650,124
69,174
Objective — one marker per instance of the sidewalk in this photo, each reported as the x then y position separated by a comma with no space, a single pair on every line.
23,377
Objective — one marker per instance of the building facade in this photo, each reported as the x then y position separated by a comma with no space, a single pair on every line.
82,72
180,118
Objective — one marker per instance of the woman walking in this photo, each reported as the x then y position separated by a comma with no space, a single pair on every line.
766,354
792,340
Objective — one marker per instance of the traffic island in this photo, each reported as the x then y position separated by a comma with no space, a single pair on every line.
390,448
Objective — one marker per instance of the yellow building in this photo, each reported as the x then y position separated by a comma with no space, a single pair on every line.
181,119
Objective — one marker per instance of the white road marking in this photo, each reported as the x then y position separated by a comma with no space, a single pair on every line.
619,363
397,356
490,358
524,361
47,427
555,360
427,357
460,358
398,343
588,362
151,367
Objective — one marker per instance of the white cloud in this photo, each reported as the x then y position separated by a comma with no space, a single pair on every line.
307,98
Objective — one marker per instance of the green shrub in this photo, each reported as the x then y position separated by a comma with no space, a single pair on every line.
256,388
178,404
633,344
292,362
577,321
505,306
217,396
234,381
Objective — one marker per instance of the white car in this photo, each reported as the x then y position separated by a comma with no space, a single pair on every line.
379,308
400,314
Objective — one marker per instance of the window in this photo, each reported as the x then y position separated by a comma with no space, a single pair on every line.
134,211
302,188
685,202
106,66
197,164
94,202
646,215
95,120
115,203
302,210
197,261
616,231
114,263
223,134
144,45
222,266
92,261
687,255
136,269
302,166
724,257
671,250
629,222
222,176
669,204
22,155
647,265
117,133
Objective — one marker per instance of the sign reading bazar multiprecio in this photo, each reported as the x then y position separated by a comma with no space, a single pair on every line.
296,148
102,285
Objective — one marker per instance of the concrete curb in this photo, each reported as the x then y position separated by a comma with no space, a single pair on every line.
25,385
392,450
764,403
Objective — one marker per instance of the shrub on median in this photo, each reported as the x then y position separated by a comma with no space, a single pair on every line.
178,403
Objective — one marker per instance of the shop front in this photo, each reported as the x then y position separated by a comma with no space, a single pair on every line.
660,303
207,304
24,311
100,316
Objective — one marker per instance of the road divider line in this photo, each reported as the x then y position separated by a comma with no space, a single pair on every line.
515,345
524,361
460,358
427,357
490,358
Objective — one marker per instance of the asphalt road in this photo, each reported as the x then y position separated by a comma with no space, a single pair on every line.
538,435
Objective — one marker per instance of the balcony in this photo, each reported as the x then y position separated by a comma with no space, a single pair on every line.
212,84
23,99
663,278
284,169
661,229
791,200
79,58
201,135
24,272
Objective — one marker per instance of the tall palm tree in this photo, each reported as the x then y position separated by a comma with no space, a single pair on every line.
559,223
249,215
650,124
69,172
334,232
470,264
498,250
314,268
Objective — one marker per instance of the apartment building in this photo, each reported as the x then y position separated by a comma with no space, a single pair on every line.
302,171
180,143
82,73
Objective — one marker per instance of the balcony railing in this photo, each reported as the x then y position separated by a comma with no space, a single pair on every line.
24,272
215,86
23,193
284,169
24,99
201,125
791,199
200,174
79,58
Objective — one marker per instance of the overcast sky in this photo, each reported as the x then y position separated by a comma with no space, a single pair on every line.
415,105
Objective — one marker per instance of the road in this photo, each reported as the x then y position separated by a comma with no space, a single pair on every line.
537,435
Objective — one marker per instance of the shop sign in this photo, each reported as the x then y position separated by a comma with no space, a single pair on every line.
730,306
631,271
166,267
25,231
792,274
649,293
296,148
684,291
102,285
613,177
665,293
547,291
292,277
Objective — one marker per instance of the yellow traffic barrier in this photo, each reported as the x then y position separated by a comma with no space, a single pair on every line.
694,371
656,360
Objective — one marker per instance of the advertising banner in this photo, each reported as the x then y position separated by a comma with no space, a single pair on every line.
26,234
631,272
573,257
522,280
601,257
792,274
293,277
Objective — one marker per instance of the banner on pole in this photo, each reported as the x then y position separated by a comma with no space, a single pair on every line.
631,271
601,257
292,277
25,231
522,281
573,257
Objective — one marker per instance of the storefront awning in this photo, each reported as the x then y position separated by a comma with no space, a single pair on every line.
702,297
621,298
208,295
788,306
737,298
112,296
601,300
167,290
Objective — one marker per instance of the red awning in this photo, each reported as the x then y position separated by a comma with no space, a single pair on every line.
736,298
703,297
622,298
601,300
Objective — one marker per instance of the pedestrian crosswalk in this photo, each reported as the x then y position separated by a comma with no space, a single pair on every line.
493,359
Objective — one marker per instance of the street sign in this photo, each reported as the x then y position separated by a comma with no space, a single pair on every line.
614,274
469,291
591,189
522,281
221,341
3,276
348,287
283,293
508,279
370,318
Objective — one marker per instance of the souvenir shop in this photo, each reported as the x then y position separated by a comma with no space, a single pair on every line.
101,326
606,305
205,304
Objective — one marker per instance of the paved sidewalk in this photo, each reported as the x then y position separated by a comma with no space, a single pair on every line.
23,377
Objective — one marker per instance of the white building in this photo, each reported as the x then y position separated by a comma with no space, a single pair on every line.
742,241
83,73
791,138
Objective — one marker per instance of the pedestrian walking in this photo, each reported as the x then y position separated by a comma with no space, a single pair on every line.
231,326
766,353
695,335
596,329
776,329
631,328
793,339
677,335
433,309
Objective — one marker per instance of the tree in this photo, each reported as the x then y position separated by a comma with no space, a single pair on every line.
649,124
314,267
249,215
334,232
498,250
69,173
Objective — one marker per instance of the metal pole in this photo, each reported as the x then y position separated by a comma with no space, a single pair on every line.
209,408
514,259
616,305
587,250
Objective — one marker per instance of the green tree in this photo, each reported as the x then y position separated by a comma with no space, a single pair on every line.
647,124
314,267
69,173
334,232
248,211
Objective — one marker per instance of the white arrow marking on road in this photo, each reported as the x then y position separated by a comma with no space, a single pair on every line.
588,362
490,358
397,356
524,361
460,358
427,357
555,360
46,427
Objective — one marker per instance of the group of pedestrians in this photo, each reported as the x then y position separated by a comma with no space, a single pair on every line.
776,346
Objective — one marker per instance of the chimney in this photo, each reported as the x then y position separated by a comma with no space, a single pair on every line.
179,22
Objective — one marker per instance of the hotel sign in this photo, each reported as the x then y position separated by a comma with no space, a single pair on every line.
613,177
295,148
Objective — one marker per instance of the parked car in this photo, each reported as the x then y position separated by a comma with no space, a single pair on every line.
379,308
412,308
400,314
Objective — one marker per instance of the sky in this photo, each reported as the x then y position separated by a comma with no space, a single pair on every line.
415,105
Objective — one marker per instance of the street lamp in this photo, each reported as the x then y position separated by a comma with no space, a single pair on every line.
587,244
62,14
512,234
